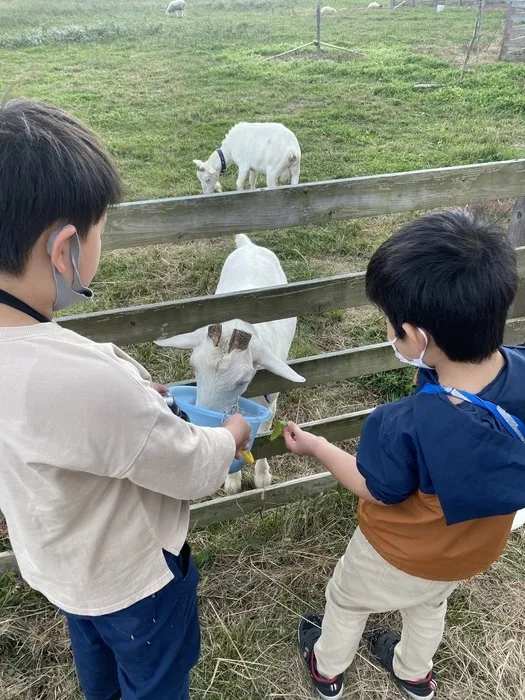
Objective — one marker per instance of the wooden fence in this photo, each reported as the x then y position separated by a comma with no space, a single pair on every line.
192,218
513,44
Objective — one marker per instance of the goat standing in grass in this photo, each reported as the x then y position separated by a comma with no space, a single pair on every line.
267,148
226,357
176,7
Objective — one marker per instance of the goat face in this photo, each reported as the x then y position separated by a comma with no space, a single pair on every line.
225,362
208,177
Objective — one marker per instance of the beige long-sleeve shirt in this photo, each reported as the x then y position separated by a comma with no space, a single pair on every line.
95,470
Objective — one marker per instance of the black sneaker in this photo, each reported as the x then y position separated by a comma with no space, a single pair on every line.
382,644
309,633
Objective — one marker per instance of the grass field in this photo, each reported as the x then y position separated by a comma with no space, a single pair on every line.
161,91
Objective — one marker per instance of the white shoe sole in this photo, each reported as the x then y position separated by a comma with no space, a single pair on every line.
431,695
331,697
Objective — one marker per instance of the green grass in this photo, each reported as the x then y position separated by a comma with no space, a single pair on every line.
161,91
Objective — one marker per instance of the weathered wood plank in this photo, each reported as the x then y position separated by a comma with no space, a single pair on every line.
506,33
516,229
345,364
7,562
205,216
231,507
338,428
321,369
139,324
335,429
515,332
331,367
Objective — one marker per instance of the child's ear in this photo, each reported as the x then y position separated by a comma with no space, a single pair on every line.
58,247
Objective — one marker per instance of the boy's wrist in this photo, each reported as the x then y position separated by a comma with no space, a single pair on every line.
318,447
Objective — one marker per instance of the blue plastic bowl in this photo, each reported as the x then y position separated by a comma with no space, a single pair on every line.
253,412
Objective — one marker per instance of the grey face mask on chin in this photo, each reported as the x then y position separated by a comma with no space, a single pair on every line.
67,295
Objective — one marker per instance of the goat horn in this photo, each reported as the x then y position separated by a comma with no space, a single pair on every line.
214,333
239,340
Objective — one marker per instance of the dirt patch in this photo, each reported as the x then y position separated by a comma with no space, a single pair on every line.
455,55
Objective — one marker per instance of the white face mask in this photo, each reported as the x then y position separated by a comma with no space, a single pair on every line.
418,362
67,295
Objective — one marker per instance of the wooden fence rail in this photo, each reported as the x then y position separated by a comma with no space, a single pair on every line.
335,429
139,324
206,216
187,218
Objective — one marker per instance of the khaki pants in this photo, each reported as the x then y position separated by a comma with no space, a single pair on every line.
364,583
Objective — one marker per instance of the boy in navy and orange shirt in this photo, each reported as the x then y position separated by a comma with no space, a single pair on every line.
440,474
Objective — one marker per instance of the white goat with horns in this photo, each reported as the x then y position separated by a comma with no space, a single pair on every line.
226,356
268,148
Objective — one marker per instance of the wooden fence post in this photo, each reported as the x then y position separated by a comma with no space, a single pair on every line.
318,27
516,234
506,32
516,229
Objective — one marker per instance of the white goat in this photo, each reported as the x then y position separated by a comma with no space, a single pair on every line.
176,7
267,148
227,356
327,10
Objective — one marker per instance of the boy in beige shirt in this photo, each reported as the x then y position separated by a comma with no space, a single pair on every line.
95,470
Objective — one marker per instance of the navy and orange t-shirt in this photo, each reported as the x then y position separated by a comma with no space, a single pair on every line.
451,476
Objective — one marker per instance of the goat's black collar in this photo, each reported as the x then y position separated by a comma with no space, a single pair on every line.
223,160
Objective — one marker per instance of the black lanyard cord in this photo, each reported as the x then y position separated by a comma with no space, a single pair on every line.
16,303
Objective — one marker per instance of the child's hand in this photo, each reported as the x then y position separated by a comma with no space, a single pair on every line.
163,390
300,442
241,431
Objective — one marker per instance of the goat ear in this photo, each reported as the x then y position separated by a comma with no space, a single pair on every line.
239,340
214,334
200,165
267,360
185,341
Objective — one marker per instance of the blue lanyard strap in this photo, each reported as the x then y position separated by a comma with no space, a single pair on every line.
511,423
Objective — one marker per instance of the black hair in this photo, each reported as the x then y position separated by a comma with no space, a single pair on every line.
53,169
450,274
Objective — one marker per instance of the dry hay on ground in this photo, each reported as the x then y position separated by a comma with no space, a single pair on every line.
259,575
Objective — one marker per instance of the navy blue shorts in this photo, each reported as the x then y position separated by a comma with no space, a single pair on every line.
146,651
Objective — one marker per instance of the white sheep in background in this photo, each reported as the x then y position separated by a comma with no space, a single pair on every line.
374,6
227,356
327,10
266,148
176,7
